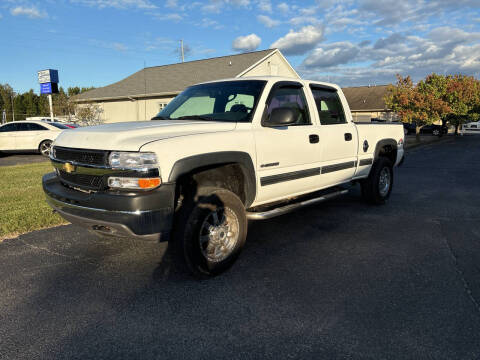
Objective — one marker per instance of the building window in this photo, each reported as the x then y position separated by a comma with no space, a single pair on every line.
161,106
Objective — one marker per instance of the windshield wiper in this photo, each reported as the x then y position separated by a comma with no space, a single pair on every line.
193,117
160,118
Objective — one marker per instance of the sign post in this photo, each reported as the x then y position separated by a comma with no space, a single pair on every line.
48,80
4,116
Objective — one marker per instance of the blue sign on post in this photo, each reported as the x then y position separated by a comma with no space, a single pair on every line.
46,88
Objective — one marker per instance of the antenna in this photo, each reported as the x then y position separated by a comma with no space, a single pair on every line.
181,50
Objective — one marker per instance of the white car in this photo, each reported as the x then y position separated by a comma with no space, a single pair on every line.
470,128
24,136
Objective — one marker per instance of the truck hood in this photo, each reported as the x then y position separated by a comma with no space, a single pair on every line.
130,136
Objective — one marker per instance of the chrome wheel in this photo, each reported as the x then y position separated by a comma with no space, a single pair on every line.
384,181
219,234
45,147
436,132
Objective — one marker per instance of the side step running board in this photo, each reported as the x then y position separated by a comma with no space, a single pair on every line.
291,207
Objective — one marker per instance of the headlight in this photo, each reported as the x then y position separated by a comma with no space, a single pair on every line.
132,160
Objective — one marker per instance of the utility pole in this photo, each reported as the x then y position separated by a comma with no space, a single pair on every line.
181,49
13,108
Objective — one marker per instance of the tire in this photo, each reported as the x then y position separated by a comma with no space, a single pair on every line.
44,147
436,132
377,187
202,227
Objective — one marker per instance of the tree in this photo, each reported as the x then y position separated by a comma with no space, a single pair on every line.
423,103
89,113
463,97
7,94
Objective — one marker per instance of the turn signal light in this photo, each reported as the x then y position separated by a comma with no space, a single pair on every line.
134,183
149,183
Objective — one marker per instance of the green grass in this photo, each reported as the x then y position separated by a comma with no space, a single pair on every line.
22,202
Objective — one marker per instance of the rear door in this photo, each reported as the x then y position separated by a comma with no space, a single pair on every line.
7,137
338,137
287,156
28,138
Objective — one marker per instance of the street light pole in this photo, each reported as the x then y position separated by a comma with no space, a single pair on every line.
13,107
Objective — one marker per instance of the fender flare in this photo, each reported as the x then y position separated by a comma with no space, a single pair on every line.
188,164
383,143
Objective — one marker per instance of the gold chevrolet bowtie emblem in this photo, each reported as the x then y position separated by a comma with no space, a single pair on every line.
69,168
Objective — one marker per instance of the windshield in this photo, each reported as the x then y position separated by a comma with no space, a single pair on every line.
232,101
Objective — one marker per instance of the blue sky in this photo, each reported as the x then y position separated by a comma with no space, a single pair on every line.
97,42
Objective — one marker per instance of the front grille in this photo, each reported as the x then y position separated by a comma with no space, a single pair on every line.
81,156
90,182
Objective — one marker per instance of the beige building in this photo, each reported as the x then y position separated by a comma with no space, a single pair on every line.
143,94
368,102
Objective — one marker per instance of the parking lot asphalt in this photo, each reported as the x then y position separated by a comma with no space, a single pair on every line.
338,280
20,159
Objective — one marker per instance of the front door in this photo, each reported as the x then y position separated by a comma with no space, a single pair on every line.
7,137
287,156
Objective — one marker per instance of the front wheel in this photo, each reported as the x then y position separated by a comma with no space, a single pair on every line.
45,147
210,231
436,132
377,187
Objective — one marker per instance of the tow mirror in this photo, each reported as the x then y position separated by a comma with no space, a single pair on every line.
282,116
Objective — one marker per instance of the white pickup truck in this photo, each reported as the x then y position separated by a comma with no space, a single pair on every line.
220,154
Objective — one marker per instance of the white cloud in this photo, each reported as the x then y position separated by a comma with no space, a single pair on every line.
28,11
169,17
332,54
268,21
119,4
119,46
444,50
265,5
299,42
283,7
215,6
246,43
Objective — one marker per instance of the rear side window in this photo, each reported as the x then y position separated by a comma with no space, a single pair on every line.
329,106
36,127
291,97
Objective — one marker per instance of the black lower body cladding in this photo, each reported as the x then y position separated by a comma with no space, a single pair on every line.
144,215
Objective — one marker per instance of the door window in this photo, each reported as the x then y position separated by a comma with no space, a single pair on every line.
9,127
329,106
290,97
35,127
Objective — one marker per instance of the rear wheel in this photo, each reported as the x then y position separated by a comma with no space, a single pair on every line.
210,231
377,187
45,147
436,132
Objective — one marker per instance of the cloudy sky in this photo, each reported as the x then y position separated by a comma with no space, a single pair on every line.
97,42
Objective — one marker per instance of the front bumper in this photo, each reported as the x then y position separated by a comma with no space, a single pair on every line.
141,215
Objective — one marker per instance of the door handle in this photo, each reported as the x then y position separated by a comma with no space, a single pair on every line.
348,137
313,138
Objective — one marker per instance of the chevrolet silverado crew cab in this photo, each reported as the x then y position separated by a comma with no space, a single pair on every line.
219,154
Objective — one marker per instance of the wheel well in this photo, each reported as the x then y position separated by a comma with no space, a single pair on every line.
388,151
228,176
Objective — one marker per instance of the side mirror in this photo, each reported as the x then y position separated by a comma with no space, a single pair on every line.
282,116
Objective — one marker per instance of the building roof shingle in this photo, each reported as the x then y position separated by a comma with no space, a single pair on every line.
168,79
364,98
